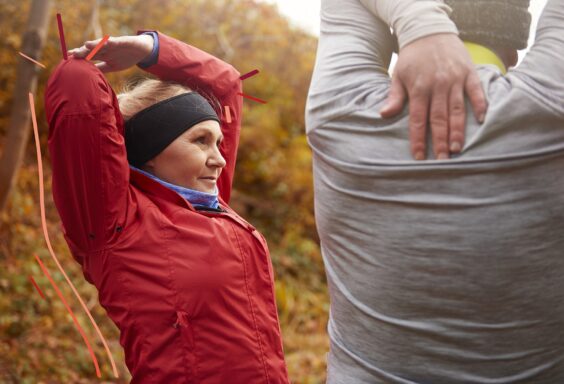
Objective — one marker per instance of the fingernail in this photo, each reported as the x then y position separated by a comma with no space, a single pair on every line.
442,156
482,118
420,156
455,147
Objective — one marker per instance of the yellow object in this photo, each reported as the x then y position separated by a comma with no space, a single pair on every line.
483,55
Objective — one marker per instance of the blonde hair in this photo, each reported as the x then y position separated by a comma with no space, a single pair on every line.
138,96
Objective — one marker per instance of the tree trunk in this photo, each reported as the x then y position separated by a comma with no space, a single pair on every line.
26,81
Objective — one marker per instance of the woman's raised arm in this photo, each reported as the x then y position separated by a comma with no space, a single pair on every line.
183,63
90,170
190,66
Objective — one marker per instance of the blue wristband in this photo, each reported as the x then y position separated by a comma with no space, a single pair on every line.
153,58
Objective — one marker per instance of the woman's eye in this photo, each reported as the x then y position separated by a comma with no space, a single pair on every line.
201,140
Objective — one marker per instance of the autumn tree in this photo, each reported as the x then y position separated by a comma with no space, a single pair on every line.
26,81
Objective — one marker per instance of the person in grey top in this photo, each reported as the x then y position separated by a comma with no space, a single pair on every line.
440,271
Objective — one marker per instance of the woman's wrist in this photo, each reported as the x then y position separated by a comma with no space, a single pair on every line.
146,43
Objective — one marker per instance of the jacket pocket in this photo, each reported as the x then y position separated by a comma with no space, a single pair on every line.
185,330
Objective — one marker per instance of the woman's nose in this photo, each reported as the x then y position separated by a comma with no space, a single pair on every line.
216,159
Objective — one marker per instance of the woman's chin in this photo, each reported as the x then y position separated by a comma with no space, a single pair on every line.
207,186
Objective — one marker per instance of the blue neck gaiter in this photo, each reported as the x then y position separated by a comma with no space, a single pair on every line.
198,199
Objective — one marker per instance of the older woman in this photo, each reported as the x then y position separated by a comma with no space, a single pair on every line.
142,186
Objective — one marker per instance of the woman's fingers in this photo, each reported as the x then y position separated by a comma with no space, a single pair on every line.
457,118
418,113
79,53
83,51
440,67
438,119
103,66
100,53
396,99
444,110
117,53
90,44
473,88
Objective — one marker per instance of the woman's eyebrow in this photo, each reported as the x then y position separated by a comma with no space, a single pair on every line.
204,131
198,131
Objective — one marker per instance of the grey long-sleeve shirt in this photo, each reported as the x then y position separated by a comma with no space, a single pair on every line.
439,271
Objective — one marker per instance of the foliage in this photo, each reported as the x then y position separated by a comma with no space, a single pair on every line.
273,187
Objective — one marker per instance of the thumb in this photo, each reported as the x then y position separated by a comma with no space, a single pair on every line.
396,99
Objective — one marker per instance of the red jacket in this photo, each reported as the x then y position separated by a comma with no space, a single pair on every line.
191,291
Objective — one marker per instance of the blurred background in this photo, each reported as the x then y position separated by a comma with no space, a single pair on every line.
273,186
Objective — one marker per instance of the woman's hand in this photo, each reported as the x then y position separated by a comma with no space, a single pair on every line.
434,72
118,53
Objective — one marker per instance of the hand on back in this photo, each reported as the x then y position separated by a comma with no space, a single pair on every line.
434,73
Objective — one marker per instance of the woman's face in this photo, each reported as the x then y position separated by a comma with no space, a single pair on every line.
192,160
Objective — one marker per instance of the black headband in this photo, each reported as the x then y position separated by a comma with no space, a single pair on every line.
151,130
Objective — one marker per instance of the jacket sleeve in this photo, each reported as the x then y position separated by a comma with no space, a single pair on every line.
90,173
543,67
413,19
202,72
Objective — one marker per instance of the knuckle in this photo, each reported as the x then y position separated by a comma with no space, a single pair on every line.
459,72
456,136
418,146
440,134
417,122
475,90
417,129
441,147
442,79
440,130
438,126
417,135
457,108
417,111
474,84
438,116
419,88
457,120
